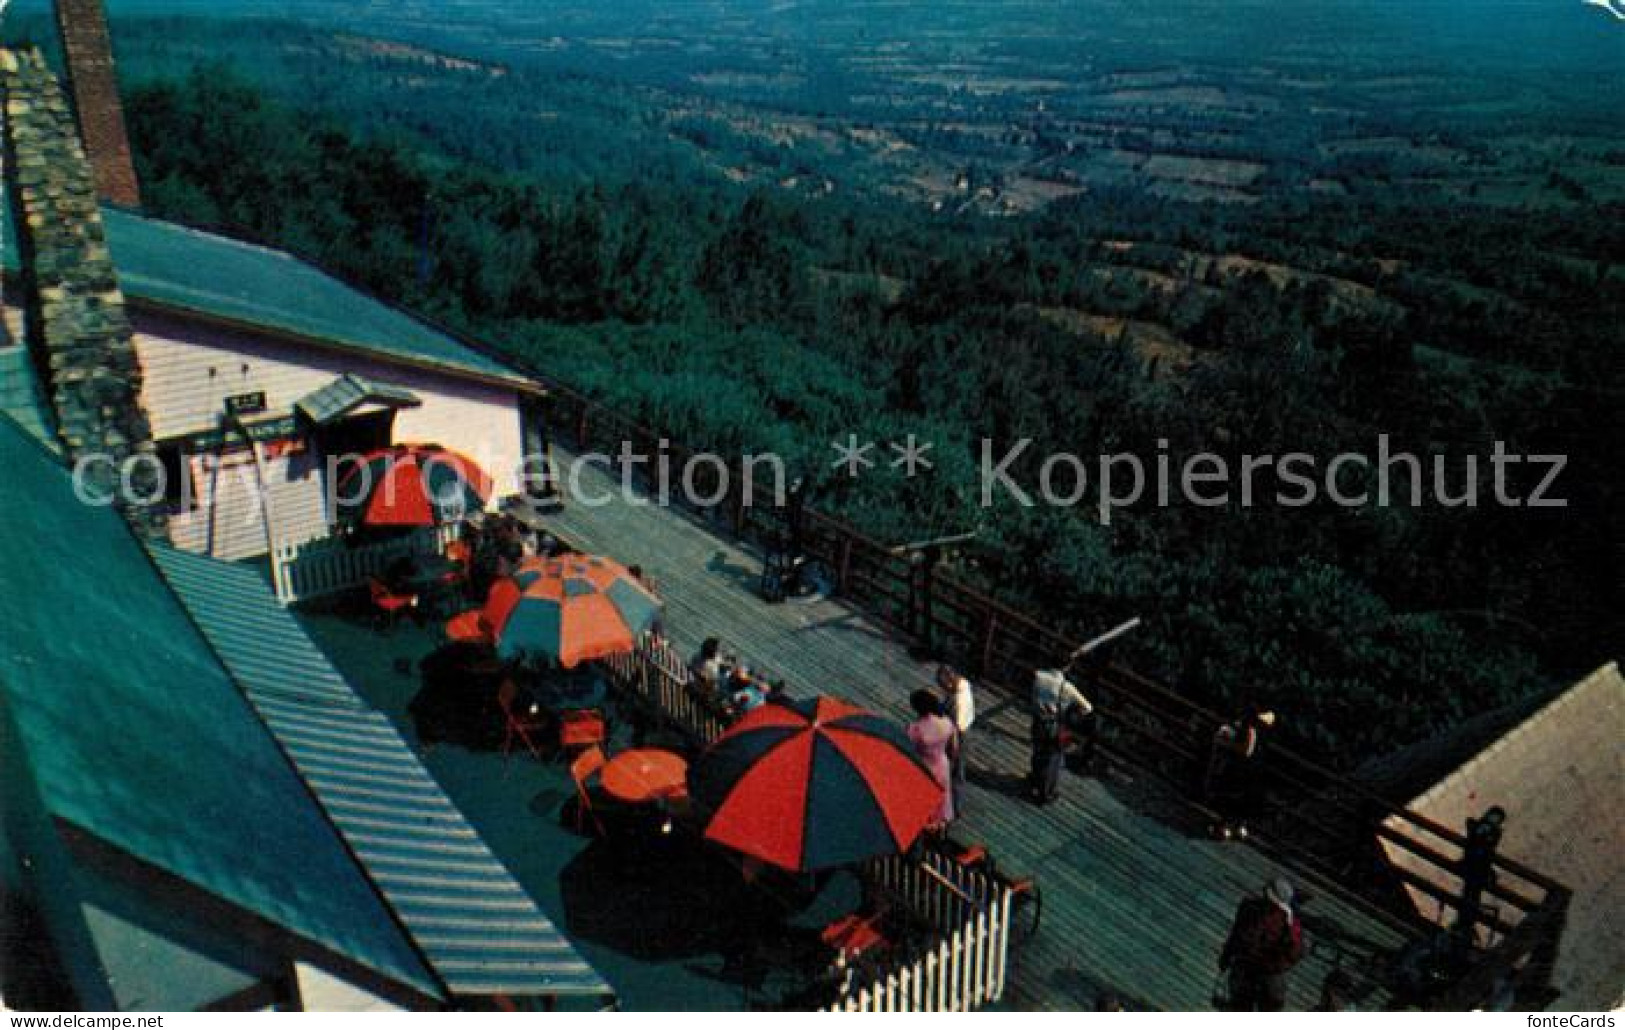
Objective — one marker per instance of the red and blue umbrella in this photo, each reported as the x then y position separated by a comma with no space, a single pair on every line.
569,609
412,485
814,784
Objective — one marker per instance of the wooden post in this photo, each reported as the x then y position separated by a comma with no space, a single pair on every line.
737,489
989,635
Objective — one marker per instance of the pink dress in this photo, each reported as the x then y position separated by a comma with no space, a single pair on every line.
933,737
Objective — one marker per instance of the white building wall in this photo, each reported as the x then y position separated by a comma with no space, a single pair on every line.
321,991
227,520
189,369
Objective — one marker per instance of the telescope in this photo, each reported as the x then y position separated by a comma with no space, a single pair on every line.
1100,641
938,542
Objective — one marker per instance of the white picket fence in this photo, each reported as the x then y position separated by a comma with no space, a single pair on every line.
330,565
964,912
969,959
964,968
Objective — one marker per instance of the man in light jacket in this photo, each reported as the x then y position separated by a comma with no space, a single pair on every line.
1057,704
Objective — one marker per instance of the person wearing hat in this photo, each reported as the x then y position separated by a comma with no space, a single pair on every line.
1265,942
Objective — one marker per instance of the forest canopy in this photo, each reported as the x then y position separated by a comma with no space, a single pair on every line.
753,318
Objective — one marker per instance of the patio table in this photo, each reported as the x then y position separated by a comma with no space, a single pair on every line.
643,775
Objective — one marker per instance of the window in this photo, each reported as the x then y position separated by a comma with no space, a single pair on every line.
180,493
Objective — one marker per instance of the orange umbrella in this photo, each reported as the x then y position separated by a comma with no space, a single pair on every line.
814,784
412,485
570,609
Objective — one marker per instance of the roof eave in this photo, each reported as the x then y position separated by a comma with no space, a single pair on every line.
86,846
514,382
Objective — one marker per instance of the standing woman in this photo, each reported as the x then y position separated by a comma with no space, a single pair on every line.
1234,787
959,704
933,736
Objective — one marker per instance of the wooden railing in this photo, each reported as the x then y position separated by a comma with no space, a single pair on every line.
966,958
1325,825
329,565
965,913
655,678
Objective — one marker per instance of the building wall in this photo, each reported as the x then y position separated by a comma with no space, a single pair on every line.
189,369
322,991
227,521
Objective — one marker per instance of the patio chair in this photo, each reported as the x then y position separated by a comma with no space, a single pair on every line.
388,604
581,728
459,554
858,934
468,628
519,726
587,765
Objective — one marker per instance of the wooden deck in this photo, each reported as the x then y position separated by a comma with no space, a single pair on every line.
1136,899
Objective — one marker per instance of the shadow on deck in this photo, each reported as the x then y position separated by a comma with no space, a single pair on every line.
643,909
1137,900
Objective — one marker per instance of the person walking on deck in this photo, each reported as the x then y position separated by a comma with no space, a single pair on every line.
959,704
934,736
1265,942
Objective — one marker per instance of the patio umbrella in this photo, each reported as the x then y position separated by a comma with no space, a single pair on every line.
412,485
814,784
570,609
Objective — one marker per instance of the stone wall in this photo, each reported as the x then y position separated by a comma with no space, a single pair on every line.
79,332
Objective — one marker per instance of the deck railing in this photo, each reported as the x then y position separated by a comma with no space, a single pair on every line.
655,678
965,913
963,967
1324,824
329,565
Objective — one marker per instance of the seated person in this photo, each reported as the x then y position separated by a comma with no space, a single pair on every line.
778,692
706,668
744,692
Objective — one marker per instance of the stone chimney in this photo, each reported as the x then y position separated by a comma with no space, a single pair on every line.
88,50
78,330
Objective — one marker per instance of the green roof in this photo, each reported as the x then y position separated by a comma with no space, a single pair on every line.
20,395
157,959
137,735
255,286
431,867
348,392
